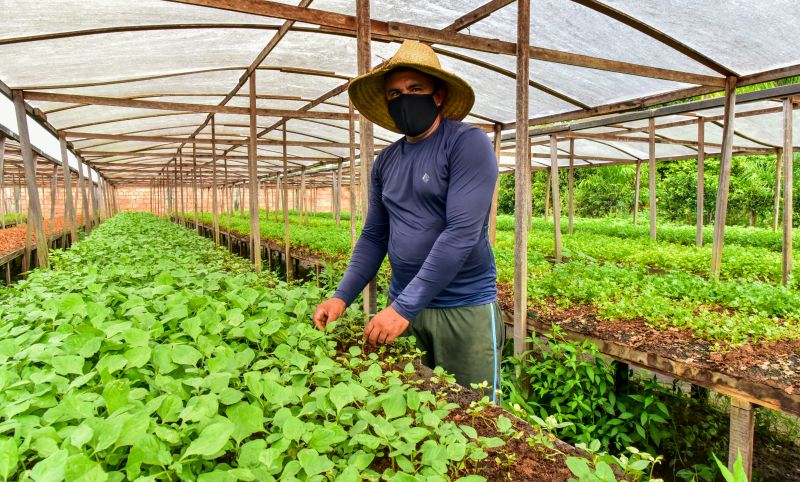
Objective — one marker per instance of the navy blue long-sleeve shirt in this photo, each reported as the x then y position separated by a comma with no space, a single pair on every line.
429,209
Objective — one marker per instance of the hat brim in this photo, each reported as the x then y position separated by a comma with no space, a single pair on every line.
369,97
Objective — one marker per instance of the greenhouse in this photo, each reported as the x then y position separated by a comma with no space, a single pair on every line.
221,219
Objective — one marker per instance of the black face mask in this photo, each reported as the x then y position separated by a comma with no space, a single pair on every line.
413,114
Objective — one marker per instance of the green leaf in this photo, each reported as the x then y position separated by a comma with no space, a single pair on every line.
293,428
472,478
247,420
9,457
50,469
313,463
211,439
341,396
185,355
68,364
116,394
80,468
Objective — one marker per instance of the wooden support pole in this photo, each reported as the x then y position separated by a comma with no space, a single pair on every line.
723,187
742,429
53,193
493,211
87,222
571,187
286,247
301,202
69,206
701,181
29,160
788,179
252,164
556,197
352,160
776,210
194,188
92,197
547,186
522,184
364,61
229,196
637,191
214,186
338,195
652,176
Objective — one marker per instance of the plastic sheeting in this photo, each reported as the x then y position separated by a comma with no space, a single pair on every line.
184,53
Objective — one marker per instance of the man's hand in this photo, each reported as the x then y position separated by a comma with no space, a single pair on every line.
327,312
385,327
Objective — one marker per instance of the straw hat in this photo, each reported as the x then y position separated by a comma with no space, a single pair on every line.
369,96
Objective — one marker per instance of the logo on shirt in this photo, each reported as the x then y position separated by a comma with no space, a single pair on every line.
426,177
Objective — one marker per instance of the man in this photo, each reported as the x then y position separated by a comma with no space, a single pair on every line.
429,206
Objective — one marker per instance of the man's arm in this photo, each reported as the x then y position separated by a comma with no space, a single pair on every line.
473,174
366,259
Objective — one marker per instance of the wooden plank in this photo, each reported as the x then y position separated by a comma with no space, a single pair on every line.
53,193
723,187
363,27
179,106
555,188
742,430
776,210
701,181
754,392
571,202
29,159
788,192
477,15
522,184
652,176
69,206
252,164
493,210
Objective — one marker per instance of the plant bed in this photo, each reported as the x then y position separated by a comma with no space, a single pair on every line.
767,373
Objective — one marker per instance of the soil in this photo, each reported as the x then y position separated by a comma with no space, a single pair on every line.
13,239
775,364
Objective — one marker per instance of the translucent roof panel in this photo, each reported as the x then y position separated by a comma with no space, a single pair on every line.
565,25
124,55
752,35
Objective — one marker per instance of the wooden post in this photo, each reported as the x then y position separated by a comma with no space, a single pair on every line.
301,202
364,60
214,202
636,192
556,197
701,180
53,191
92,197
776,211
286,255
2,182
194,187
724,176
493,212
69,207
571,186
788,176
547,184
522,184
229,196
338,195
352,159
29,161
741,435
85,200
252,164
652,176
